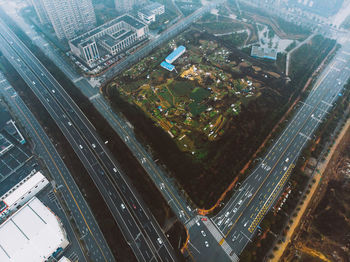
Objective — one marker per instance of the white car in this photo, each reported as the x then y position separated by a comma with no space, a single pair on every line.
227,214
285,168
122,206
93,145
198,224
203,233
115,170
188,208
69,123
81,147
234,210
206,243
287,160
159,240
240,202
245,224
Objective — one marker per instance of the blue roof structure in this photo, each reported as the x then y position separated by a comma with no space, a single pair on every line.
175,54
167,66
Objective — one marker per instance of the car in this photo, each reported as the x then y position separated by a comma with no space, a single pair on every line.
249,195
203,233
234,238
53,91
285,168
133,205
227,214
122,206
204,219
93,145
198,224
159,240
245,224
206,243
69,123
115,170
287,160
234,210
189,209
220,222
81,147
240,202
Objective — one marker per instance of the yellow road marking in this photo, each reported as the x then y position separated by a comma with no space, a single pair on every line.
65,182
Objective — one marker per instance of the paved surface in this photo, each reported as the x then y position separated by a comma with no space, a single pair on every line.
73,251
174,197
239,219
137,224
80,211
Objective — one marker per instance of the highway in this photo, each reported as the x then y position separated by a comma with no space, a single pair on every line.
85,222
176,200
239,219
137,224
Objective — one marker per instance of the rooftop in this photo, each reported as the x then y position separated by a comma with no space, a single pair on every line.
148,9
24,188
32,234
261,52
175,54
137,24
112,41
167,66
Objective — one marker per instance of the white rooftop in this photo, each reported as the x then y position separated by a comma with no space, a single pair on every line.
24,188
64,259
31,234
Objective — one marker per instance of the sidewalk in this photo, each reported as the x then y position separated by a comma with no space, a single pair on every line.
318,175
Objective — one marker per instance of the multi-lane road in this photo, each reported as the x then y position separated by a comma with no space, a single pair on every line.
239,219
224,236
96,245
135,221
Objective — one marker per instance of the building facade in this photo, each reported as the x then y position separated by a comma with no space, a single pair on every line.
68,17
113,36
149,12
22,192
40,11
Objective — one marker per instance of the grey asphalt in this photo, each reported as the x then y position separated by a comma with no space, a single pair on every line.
138,225
80,211
239,219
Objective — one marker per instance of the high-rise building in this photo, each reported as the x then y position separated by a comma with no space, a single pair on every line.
127,5
41,12
68,17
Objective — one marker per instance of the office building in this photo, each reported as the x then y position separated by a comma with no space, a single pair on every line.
32,234
149,12
67,17
112,37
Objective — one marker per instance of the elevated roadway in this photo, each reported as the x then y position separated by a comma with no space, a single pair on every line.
137,224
